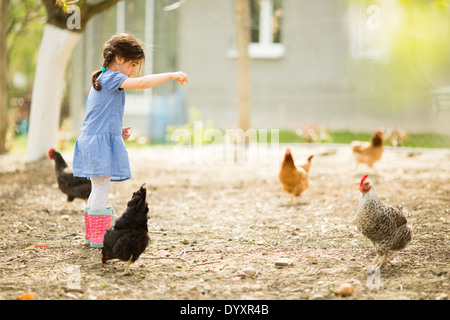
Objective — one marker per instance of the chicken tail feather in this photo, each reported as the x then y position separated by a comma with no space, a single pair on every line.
307,164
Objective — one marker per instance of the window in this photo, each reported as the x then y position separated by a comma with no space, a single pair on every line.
266,30
266,21
266,24
371,23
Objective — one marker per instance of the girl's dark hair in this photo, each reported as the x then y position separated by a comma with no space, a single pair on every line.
121,45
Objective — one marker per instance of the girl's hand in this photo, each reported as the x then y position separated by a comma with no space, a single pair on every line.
180,76
126,133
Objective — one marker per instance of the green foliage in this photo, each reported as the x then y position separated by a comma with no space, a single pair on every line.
63,4
26,20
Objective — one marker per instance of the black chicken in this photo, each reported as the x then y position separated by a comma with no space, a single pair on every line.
128,238
73,187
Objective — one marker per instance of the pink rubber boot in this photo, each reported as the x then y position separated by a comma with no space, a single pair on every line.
99,222
86,224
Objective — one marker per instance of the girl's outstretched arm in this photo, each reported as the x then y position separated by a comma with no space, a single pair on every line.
153,80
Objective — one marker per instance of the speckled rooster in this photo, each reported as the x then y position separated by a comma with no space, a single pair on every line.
383,224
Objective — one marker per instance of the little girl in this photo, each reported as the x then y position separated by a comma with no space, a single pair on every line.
100,153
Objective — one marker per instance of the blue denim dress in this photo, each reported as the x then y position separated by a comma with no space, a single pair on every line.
100,150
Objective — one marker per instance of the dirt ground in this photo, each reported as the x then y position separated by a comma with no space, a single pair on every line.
227,231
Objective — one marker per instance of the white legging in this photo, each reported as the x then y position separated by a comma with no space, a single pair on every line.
101,187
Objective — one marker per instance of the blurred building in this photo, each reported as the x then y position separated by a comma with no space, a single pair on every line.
356,65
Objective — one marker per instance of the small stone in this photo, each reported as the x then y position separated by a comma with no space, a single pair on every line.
246,272
317,296
251,272
283,263
442,296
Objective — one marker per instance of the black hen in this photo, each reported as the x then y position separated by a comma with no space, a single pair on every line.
128,238
73,187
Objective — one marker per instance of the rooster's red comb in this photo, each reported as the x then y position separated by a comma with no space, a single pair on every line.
363,179
50,151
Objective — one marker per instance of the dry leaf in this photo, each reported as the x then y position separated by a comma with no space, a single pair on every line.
345,289
26,296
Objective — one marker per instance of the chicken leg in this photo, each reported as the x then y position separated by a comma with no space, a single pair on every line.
385,259
375,261
65,206
379,261
127,271
373,265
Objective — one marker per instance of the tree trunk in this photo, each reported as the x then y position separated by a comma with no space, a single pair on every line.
54,53
56,47
242,11
4,63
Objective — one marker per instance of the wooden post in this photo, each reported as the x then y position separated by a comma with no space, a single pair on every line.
242,12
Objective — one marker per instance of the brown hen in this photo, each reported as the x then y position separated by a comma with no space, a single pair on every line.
368,152
294,177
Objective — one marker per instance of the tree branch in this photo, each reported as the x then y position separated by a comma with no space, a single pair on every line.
57,17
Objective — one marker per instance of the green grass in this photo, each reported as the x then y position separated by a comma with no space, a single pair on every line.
430,140
348,136
415,140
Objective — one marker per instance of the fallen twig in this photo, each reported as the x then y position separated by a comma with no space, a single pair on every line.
273,238
207,262
182,259
29,249
159,232
67,235
68,289
434,262
47,255
174,258
194,250
12,268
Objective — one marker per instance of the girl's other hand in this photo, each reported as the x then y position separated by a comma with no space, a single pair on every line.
126,133
180,76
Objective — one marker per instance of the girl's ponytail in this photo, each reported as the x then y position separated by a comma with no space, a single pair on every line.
95,83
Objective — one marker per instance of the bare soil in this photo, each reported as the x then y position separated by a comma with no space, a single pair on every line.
227,231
